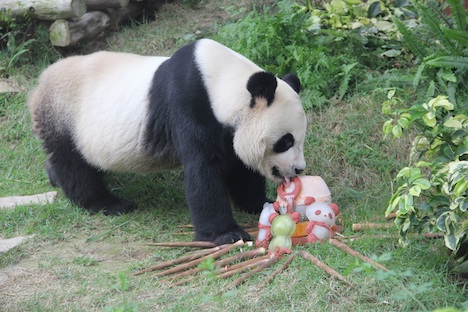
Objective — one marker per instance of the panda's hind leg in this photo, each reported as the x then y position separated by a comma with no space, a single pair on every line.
82,183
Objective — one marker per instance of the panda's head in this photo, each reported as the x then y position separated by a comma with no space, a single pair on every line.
270,135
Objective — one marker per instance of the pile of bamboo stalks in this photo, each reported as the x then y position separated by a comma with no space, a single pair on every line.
244,262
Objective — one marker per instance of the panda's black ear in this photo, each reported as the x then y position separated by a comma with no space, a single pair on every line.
292,80
262,85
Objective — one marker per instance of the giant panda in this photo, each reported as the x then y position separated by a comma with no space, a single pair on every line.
230,124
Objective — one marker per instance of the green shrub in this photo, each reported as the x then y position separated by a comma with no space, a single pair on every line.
432,193
440,44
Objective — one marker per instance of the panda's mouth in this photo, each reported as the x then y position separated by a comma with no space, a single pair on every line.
281,178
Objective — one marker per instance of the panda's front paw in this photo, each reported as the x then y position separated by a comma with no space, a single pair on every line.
121,206
228,237
110,205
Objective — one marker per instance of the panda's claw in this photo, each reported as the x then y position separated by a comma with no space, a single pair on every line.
111,206
227,237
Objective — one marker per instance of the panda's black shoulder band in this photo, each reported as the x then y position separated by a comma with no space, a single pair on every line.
262,84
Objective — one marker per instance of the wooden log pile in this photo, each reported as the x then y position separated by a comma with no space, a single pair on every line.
73,21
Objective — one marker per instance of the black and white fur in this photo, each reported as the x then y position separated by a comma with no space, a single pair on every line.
225,120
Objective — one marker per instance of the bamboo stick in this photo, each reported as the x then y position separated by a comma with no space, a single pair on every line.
356,237
240,257
195,262
269,262
325,267
243,225
184,281
357,227
283,267
356,254
179,260
195,244
237,268
221,263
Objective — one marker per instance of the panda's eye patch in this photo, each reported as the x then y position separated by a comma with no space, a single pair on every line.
284,143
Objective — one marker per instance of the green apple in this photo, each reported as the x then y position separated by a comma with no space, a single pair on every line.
281,242
283,225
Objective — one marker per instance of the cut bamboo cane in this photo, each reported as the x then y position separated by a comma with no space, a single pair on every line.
195,244
243,225
195,262
367,226
356,254
357,237
283,267
240,267
184,281
244,268
221,265
248,274
179,260
239,257
325,267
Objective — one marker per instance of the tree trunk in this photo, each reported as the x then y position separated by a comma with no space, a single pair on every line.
94,5
68,33
44,9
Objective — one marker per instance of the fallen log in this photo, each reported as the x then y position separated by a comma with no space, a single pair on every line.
44,9
65,33
94,5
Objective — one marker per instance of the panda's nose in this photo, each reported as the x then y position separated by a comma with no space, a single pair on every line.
298,170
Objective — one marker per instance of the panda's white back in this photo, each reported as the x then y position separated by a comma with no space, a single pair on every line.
103,100
112,138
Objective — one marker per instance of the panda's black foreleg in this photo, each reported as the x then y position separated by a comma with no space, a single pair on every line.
246,187
209,205
53,178
83,184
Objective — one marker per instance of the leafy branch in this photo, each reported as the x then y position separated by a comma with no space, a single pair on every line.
432,195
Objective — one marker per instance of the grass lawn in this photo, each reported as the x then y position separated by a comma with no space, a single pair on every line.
83,262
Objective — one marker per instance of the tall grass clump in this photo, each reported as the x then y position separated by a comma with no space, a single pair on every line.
280,39
23,43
